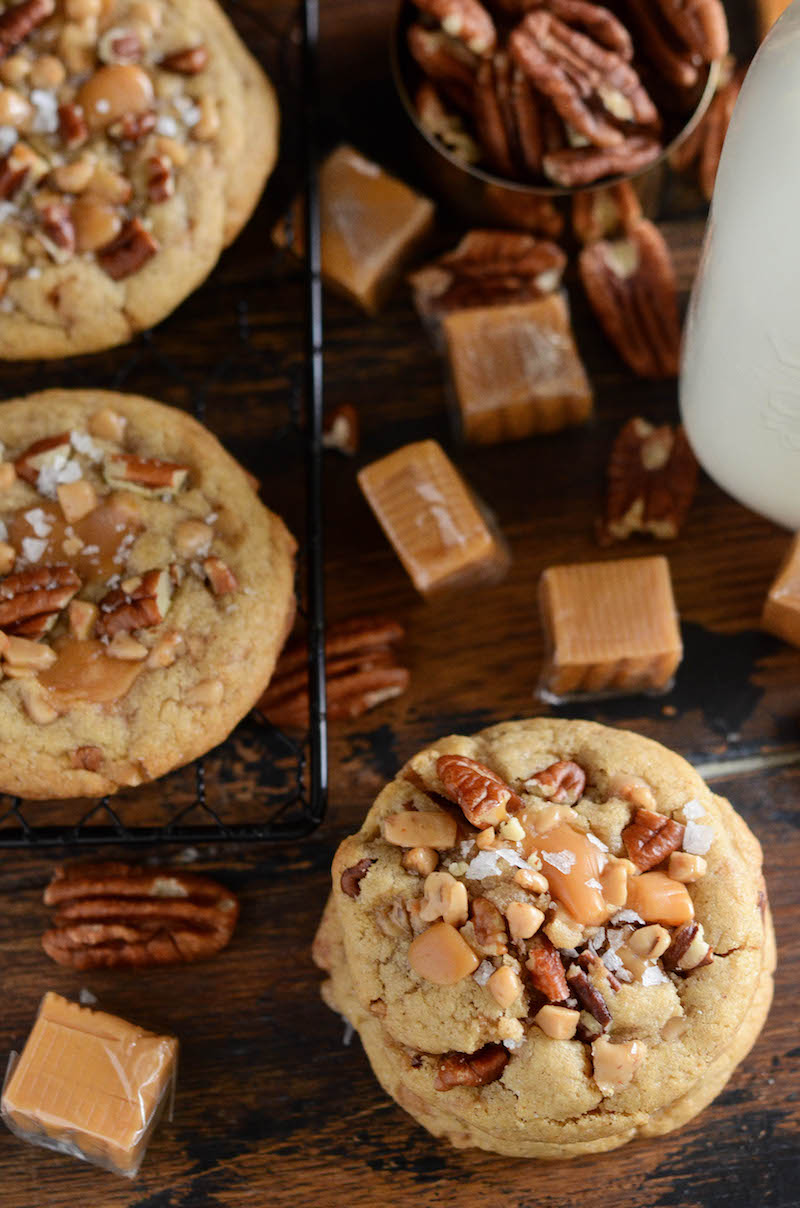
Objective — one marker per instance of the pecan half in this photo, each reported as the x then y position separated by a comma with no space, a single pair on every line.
351,878
144,475
128,252
489,267
490,927
576,166
141,604
19,20
588,995
605,213
220,576
631,287
471,1069
41,455
441,123
700,24
592,88
72,127
191,60
562,782
547,970
649,838
652,477
668,53
703,147
362,672
446,62
689,950
115,915
596,21
478,791
466,20
32,600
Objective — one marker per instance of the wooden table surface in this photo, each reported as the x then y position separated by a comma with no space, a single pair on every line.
273,1106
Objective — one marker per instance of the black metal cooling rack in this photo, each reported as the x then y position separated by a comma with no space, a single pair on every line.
260,785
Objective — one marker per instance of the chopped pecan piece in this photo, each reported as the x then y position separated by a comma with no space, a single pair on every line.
32,600
145,475
588,995
362,672
160,181
466,20
89,758
191,60
12,175
41,455
703,147
572,167
547,970
19,20
445,61
689,950
605,213
126,253
133,127
57,228
650,838
494,120
563,782
490,927
630,284
476,789
489,267
115,915
471,1069
222,579
652,477
141,604
72,126
351,878
592,88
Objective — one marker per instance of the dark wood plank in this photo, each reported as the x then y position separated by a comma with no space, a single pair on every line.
272,1107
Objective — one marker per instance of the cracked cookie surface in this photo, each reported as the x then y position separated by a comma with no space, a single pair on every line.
618,941
145,592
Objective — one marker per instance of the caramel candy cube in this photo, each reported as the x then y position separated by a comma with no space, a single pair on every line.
612,628
372,223
429,515
515,370
90,1085
781,614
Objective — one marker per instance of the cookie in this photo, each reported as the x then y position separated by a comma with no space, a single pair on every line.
145,592
135,140
552,937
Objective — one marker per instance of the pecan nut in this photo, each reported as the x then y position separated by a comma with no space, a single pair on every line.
592,88
466,20
605,213
494,120
32,600
42,454
701,25
160,181
490,927
650,837
668,53
588,995
572,167
486,268
191,60
128,251
19,20
631,287
652,477
444,125
471,1069
547,970
352,877
689,950
362,672
72,127
115,915
144,475
562,782
446,62
478,791
140,604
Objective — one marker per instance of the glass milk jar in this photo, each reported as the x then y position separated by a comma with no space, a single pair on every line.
740,377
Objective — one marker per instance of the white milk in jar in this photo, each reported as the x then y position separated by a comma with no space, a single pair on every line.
740,377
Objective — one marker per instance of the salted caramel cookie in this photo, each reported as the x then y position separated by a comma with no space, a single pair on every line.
135,139
552,937
145,592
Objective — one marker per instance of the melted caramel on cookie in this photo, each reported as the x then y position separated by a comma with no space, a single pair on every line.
584,864
84,671
107,533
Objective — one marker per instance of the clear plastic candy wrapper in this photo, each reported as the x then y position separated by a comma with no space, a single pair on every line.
90,1085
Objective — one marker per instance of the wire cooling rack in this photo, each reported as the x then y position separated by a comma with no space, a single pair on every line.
260,785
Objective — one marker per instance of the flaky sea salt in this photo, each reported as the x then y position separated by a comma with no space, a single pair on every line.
45,103
33,548
39,522
615,937
166,125
513,1045
652,976
697,839
693,810
627,916
8,136
83,443
611,961
597,842
487,863
483,972
592,883
564,860
86,998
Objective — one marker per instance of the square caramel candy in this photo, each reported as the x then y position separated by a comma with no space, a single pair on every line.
781,614
90,1085
372,224
515,369
612,628
432,519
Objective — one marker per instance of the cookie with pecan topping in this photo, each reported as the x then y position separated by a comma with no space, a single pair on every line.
543,984
145,592
135,139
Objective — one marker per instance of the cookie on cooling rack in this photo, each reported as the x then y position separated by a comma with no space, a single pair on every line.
145,592
552,937
135,140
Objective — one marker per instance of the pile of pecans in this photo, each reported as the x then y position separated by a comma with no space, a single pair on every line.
566,92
